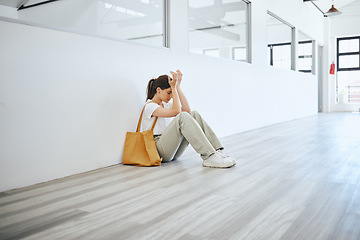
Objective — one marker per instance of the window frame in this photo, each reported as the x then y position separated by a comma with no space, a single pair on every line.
271,46
339,69
248,47
338,54
306,56
292,43
165,15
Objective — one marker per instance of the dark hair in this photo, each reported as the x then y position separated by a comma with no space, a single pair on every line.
161,82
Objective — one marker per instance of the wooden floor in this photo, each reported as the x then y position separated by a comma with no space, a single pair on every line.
294,180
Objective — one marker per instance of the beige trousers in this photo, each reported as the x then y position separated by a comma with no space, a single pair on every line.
187,128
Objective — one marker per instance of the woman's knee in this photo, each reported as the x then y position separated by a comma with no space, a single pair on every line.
184,118
194,113
186,114
183,115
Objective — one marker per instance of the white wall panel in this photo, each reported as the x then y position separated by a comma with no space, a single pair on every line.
67,100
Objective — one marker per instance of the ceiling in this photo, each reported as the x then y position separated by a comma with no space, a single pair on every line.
351,9
347,7
15,3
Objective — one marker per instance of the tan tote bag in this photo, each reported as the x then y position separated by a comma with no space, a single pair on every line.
140,148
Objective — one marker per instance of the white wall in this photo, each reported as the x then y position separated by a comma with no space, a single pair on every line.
67,100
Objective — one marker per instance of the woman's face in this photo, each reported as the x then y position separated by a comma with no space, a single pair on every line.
165,94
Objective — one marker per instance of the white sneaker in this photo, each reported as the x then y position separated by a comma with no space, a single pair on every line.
216,160
226,156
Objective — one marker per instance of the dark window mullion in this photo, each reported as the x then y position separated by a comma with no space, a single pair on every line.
305,56
349,69
305,42
279,44
348,53
349,38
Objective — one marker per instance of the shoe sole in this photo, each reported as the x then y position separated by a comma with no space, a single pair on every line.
219,166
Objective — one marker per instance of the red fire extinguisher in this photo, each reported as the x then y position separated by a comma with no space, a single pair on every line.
332,68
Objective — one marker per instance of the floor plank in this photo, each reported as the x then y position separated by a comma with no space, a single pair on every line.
294,180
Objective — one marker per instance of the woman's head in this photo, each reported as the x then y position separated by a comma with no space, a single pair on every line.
161,87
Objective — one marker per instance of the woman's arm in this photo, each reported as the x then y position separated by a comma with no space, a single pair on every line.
176,107
185,107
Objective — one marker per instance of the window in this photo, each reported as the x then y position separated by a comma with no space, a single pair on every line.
212,52
348,67
279,37
239,54
305,56
280,55
305,53
141,21
221,25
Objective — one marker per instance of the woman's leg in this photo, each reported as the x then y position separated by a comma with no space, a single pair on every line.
182,130
209,133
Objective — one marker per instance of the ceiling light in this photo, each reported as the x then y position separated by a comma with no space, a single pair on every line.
332,11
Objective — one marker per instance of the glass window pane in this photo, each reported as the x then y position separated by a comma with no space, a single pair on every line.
201,3
279,36
286,52
305,64
348,82
277,53
348,78
198,51
139,21
349,61
282,56
240,54
305,49
285,64
301,50
212,52
349,85
351,45
217,24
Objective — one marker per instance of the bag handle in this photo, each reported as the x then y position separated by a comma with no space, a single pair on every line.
140,119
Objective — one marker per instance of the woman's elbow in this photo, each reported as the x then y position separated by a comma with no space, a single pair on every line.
177,111
188,110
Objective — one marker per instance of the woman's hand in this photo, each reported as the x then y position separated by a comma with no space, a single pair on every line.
173,82
179,77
